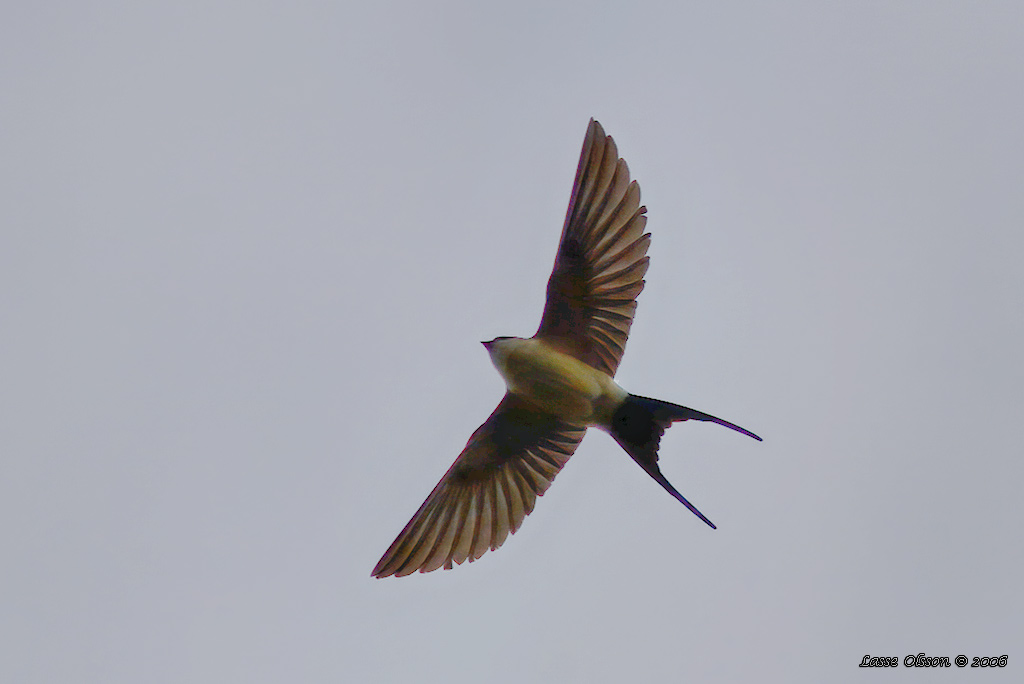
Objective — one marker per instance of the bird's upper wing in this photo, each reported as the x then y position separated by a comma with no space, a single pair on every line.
493,485
601,261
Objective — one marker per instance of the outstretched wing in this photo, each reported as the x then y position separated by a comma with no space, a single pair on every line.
493,485
601,261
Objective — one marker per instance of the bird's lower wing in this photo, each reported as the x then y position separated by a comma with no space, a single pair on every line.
493,485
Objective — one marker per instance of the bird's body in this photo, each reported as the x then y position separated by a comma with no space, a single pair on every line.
555,382
558,382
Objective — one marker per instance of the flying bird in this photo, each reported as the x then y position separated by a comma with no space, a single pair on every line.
559,382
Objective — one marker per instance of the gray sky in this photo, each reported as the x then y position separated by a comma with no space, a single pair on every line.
248,252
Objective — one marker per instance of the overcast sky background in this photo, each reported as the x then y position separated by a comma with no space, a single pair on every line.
248,252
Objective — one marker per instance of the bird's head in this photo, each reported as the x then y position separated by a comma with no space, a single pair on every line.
499,348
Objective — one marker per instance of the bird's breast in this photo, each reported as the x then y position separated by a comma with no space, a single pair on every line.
560,384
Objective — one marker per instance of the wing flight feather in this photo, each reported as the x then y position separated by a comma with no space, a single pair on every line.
487,493
601,261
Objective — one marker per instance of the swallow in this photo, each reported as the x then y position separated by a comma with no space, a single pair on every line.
558,382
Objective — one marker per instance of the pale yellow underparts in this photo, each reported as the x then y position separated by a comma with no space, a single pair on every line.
555,382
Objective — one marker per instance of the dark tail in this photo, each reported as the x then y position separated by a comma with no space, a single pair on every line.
638,426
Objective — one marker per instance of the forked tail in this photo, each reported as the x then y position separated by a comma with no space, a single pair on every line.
638,426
